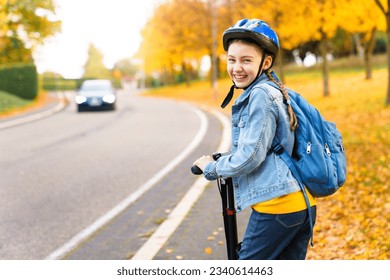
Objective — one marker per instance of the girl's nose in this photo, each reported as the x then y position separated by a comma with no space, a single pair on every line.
237,67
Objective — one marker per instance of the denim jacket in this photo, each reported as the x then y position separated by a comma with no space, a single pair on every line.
258,116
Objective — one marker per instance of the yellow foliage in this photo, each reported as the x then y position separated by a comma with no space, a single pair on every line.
360,16
300,21
20,22
354,223
208,250
179,30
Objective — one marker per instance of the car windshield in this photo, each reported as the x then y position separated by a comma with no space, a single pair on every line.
96,85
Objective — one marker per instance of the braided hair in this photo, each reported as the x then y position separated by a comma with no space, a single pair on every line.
293,117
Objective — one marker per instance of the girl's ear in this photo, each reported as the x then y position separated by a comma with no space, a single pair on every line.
267,62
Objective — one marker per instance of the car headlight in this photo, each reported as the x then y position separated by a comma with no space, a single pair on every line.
80,99
109,98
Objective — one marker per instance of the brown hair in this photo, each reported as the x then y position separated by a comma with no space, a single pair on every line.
293,117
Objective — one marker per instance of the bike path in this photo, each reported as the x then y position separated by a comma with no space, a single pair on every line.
200,235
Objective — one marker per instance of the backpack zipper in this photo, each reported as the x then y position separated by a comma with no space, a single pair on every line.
327,150
308,148
341,144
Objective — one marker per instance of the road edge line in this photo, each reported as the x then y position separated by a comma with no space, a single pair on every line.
154,244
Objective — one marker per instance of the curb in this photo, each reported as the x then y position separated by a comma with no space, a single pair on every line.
36,116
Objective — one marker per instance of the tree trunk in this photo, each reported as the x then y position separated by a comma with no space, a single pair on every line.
280,65
369,47
214,48
358,44
325,64
387,103
387,16
186,73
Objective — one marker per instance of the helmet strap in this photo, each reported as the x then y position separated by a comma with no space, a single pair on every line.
260,71
229,96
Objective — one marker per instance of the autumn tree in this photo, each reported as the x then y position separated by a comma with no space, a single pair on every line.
175,37
323,16
126,67
94,67
24,24
362,19
386,13
157,49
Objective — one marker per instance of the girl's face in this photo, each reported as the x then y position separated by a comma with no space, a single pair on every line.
243,63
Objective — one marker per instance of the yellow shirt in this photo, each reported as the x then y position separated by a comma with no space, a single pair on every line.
289,203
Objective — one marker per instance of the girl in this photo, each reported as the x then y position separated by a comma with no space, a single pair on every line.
278,227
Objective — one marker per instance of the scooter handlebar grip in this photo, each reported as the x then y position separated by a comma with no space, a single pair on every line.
216,156
196,170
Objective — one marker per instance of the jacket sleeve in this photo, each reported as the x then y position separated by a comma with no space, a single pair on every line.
257,131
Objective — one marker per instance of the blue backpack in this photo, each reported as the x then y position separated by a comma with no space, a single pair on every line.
318,161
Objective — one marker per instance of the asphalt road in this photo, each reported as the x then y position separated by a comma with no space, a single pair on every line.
59,174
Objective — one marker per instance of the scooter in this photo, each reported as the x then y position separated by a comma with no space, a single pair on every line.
225,186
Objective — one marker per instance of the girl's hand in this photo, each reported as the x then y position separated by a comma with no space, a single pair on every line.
203,161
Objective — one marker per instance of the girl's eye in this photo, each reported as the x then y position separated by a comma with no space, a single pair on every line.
231,60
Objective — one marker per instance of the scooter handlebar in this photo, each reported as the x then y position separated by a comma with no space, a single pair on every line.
196,170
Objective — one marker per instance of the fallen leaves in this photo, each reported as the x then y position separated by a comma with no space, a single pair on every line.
355,222
208,250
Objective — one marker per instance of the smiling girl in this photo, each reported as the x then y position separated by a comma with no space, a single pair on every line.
278,227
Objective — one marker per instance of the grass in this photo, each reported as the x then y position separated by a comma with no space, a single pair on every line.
12,105
10,102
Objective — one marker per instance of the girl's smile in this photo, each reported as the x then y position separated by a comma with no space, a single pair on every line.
244,61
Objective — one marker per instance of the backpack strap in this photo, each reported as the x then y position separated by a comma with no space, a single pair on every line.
279,150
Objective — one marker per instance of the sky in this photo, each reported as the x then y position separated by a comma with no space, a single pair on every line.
113,26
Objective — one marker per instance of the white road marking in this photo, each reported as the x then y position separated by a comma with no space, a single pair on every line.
90,230
153,245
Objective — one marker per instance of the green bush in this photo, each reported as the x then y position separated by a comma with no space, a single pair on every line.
19,79
59,84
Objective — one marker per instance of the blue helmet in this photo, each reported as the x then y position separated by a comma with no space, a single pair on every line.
255,30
